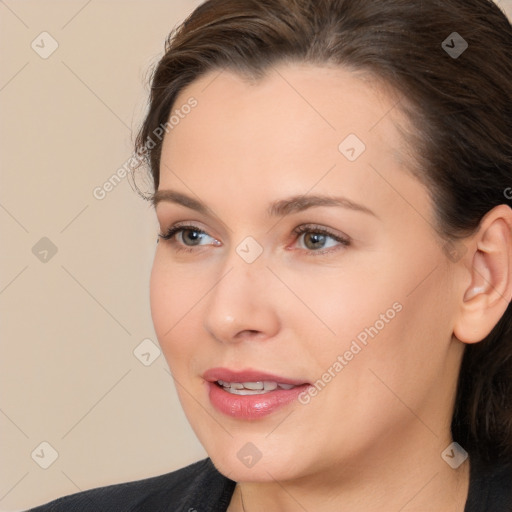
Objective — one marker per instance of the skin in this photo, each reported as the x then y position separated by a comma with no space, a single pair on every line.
372,438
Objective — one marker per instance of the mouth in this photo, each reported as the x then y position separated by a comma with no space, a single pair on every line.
252,388
251,394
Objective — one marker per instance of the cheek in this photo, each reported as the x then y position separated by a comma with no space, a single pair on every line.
160,298
173,297
381,316
345,302
406,329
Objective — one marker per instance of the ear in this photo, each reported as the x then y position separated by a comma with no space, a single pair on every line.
489,262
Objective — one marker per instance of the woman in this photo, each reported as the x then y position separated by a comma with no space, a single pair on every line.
332,281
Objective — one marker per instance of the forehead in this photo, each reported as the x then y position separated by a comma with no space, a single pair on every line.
299,127
292,104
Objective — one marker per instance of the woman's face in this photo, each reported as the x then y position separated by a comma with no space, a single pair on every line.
355,310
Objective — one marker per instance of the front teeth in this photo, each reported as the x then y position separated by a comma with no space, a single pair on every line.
252,388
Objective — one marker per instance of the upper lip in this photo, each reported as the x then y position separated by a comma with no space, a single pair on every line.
228,375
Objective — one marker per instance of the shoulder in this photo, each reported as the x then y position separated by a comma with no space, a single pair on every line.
490,487
197,486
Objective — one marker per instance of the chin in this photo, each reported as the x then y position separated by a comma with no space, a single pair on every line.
243,460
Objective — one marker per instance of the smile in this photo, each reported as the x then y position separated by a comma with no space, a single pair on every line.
252,388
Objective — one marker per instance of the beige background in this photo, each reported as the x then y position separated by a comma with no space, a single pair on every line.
70,324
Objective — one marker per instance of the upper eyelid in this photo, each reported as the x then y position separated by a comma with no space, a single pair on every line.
311,227
163,219
179,227
184,225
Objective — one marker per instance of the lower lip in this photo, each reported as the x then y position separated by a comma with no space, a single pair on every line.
250,407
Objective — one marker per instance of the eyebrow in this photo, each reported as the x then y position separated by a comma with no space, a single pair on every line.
279,208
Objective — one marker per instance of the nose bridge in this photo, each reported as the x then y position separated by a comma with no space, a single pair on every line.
244,267
240,300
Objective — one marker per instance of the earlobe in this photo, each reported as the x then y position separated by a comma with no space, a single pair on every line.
486,298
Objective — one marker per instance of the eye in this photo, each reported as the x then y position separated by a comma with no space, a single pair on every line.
316,239
186,237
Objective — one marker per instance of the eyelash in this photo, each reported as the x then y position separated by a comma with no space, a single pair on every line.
171,232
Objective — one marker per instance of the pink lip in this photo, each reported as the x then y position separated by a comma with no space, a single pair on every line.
227,375
250,406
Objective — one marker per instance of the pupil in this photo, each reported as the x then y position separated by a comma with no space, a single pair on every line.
194,238
317,239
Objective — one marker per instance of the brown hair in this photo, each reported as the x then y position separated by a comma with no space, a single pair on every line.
459,105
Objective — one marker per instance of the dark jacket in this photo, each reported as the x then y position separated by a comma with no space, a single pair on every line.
201,488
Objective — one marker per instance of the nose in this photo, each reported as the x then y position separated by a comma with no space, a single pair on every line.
243,304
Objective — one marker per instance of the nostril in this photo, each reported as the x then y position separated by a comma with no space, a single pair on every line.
249,333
